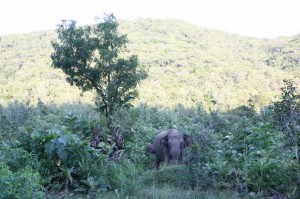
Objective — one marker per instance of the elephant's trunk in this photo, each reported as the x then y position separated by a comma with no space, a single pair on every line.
175,154
174,161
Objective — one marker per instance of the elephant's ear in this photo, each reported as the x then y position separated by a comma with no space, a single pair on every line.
164,141
188,140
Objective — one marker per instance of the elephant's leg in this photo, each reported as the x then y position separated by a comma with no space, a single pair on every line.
166,155
157,162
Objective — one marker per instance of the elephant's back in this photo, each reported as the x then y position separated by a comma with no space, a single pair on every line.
162,134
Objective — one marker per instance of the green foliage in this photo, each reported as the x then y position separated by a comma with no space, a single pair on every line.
255,159
17,158
125,177
287,118
66,160
230,149
266,166
199,159
17,113
169,192
25,183
90,58
140,125
209,84
5,125
287,115
186,65
285,54
168,175
80,126
18,174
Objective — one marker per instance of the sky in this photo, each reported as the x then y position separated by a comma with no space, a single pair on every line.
254,18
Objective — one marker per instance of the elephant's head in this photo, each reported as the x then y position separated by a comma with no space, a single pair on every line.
174,143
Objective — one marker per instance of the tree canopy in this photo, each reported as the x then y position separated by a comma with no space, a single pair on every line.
89,56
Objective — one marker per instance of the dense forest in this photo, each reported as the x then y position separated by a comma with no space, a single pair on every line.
219,88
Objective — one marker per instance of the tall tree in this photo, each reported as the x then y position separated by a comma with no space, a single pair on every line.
89,56
287,115
287,118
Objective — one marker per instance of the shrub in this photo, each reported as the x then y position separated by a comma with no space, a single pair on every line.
18,113
198,159
66,160
79,125
256,160
17,158
25,183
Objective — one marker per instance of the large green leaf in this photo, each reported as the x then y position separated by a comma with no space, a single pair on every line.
50,148
63,139
62,152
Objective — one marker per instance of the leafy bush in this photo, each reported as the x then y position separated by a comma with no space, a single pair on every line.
18,113
25,183
18,175
198,159
256,160
80,126
65,159
17,158
287,115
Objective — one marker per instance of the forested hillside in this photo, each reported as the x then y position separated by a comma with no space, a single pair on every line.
234,98
187,65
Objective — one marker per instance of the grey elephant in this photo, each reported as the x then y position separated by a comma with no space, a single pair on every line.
168,146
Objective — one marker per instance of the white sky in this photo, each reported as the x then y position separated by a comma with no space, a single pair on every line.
258,18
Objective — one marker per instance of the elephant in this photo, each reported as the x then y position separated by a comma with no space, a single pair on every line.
168,146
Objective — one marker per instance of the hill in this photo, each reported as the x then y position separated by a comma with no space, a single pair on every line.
53,144
187,65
